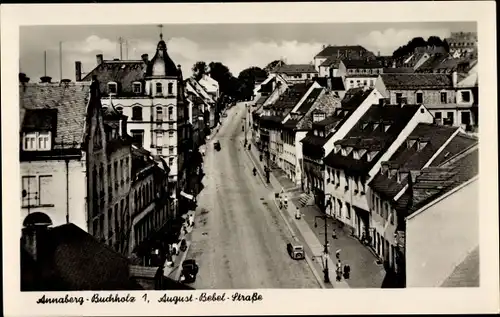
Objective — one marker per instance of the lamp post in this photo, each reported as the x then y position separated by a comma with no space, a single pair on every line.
325,270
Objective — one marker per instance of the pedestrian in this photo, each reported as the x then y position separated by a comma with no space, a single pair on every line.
339,270
337,254
334,234
347,271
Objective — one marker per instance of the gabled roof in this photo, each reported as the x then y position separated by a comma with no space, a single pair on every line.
295,69
361,63
458,144
336,82
124,73
70,103
354,97
338,50
417,81
308,103
409,157
395,117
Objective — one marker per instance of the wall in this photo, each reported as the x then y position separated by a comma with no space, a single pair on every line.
357,81
299,135
440,236
302,77
457,115
318,61
57,209
430,97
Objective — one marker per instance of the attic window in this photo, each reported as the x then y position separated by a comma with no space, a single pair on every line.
410,143
112,87
119,109
421,145
316,132
386,127
364,126
371,155
392,172
337,148
37,141
361,153
356,155
136,86
375,126
344,152
348,150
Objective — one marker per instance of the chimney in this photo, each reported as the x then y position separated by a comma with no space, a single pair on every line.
179,71
145,58
99,59
35,227
23,79
45,79
78,71
378,53
454,78
324,46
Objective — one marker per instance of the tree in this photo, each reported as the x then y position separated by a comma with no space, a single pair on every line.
199,69
409,48
273,64
434,41
248,77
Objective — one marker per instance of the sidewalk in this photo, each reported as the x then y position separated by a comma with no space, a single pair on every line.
365,272
174,271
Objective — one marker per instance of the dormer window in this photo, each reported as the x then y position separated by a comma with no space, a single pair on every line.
421,145
136,87
112,88
371,155
356,155
321,134
337,148
316,132
37,141
386,127
375,126
344,152
318,117
159,89
348,150
361,153
364,126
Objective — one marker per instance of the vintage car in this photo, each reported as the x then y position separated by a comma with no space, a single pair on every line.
295,251
189,271
183,246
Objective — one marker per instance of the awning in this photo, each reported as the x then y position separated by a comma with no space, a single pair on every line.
190,197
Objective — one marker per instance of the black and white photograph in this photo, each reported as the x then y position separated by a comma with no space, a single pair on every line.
226,160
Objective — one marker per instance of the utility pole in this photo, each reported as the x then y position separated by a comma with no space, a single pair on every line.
120,42
325,245
44,63
60,62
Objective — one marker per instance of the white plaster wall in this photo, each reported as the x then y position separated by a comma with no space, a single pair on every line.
441,236
58,195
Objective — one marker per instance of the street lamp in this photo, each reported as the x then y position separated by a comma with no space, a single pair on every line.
324,217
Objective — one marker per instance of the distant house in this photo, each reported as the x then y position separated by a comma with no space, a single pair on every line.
462,43
296,73
66,258
335,54
211,85
53,169
359,73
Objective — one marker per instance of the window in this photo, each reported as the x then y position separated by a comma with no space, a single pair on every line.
159,89
138,137
450,117
112,88
137,113
171,161
399,97
339,203
371,82
438,115
171,150
444,97
159,139
37,141
117,220
159,151
465,117
170,113
122,174
308,76
365,82
119,109
170,88
159,114
136,88
465,96
171,134
30,192
30,141
348,211
392,216
420,98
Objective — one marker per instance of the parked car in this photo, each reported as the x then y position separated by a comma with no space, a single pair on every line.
295,251
189,271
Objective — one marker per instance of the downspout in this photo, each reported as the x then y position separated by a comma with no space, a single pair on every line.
67,190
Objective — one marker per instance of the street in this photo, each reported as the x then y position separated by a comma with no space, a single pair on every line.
239,239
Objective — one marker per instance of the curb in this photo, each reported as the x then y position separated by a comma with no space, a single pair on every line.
254,164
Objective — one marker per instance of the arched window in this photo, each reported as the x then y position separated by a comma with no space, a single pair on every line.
137,113
119,109
170,88
159,89
170,113
159,113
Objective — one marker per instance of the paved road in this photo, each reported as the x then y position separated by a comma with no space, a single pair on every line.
239,239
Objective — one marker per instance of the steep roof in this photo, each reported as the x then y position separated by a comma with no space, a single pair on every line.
69,101
354,97
331,61
311,98
361,63
417,81
295,69
337,50
124,73
410,157
336,82
326,103
40,120
433,61
458,144
379,139
161,65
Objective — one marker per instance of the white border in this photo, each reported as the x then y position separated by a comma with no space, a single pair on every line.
483,299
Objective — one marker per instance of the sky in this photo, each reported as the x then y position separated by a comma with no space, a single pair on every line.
238,46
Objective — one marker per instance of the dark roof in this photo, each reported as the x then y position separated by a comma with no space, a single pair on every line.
70,102
295,69
398,70
409,157
311,98
361,63
161,64
458,144
337,50
331,61
433,61
124,73
37,218
291,96
372,139
434,182
72,260
417,81
354,97
40,120
336,82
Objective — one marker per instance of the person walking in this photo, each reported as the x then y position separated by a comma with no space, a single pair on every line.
347,271
339,271
334,234
337,254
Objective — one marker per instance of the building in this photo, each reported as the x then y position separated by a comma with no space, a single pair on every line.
151,94
66,258
426,145
52,161
443,211
296,73
357,157
462,43
336,53
360,72
438,92
211,86
328,126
